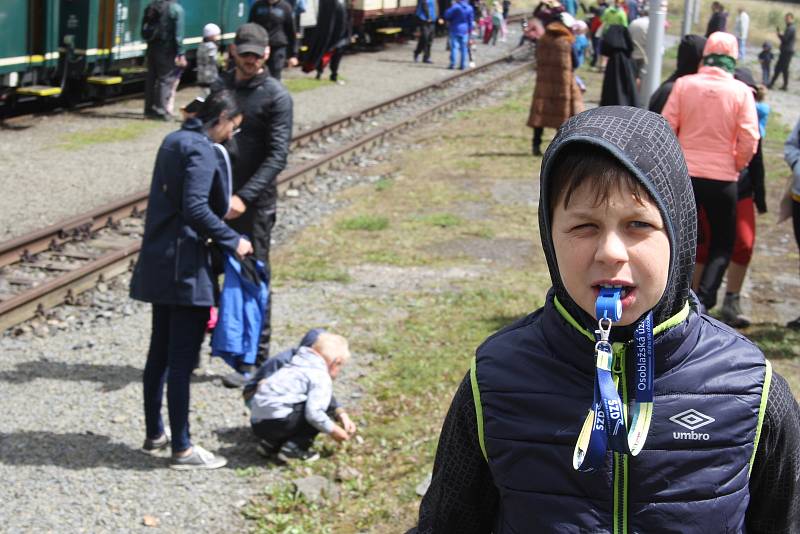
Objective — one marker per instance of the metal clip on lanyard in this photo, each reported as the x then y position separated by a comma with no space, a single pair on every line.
605,425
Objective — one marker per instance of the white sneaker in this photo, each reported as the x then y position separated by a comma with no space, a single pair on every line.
198,459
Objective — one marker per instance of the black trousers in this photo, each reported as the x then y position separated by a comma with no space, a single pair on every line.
161,72
257,223
537,136
276,61
782,67
718,199
425,40
294,428
333,64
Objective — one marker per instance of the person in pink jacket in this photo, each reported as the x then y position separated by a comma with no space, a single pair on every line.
714,117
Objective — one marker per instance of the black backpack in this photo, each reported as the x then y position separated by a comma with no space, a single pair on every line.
155,21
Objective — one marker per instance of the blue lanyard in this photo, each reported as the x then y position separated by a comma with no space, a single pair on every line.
605,426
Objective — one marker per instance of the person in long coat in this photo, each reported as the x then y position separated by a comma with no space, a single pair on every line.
619,80
556,96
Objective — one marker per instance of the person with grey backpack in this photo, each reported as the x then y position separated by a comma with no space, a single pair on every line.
162,29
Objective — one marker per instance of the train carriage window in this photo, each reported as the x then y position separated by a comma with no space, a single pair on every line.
36,23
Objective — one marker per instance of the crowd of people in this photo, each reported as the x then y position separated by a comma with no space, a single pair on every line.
641,214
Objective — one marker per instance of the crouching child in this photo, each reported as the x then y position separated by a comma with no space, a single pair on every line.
292,405
617,406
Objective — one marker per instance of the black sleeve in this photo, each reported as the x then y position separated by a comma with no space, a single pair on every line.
289,30
279,117
462,499
775,481
755,170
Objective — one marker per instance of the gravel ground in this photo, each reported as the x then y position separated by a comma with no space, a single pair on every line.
68,448
62,165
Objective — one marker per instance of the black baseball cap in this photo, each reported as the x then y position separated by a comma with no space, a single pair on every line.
251,38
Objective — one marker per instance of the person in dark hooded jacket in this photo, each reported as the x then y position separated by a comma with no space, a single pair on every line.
714,451
690,54
619,80
189,195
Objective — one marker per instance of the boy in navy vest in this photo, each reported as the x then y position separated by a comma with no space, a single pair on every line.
658,420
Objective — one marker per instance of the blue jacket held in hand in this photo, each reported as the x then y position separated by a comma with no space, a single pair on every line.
460,16
242,305
189,195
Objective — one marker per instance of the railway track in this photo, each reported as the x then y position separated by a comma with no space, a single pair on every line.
45,268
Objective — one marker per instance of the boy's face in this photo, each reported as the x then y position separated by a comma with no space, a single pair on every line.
621,242
334,366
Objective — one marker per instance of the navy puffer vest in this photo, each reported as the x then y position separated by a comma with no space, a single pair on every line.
533,386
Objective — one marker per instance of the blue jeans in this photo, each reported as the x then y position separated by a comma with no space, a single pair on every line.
765,71
742,48
175,342
460,42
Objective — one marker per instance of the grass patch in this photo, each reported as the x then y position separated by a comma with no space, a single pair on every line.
312,270
289,513
383,184
368,223
442,220
385,257
124,132
298,85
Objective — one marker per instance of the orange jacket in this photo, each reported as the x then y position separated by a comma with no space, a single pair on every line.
714,116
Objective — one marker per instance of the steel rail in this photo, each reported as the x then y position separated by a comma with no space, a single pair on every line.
53,236
28,304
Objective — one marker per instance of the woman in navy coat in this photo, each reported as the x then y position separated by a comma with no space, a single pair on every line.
189,197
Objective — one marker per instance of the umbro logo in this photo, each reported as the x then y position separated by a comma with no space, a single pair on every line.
692,420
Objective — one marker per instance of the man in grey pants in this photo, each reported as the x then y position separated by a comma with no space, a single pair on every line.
163,31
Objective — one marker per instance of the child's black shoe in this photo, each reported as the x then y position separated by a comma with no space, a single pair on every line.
292,451
266,448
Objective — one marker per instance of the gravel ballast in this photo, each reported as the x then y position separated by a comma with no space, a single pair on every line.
64,164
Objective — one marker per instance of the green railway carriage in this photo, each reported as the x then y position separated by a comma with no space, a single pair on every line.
54,47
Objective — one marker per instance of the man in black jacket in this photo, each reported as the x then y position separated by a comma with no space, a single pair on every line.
786,52
276,16
258,153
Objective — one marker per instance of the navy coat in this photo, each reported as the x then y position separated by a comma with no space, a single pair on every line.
189,196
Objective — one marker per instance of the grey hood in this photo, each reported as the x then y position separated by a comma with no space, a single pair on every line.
643,143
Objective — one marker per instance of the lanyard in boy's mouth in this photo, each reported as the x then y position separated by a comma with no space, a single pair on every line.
605,425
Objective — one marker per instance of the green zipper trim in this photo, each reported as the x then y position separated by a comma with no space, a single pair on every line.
673,321
476,398
761,411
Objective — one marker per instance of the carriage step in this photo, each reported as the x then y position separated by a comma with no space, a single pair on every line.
39,90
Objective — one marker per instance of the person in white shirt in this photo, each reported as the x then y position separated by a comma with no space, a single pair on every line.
741,29
638,30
